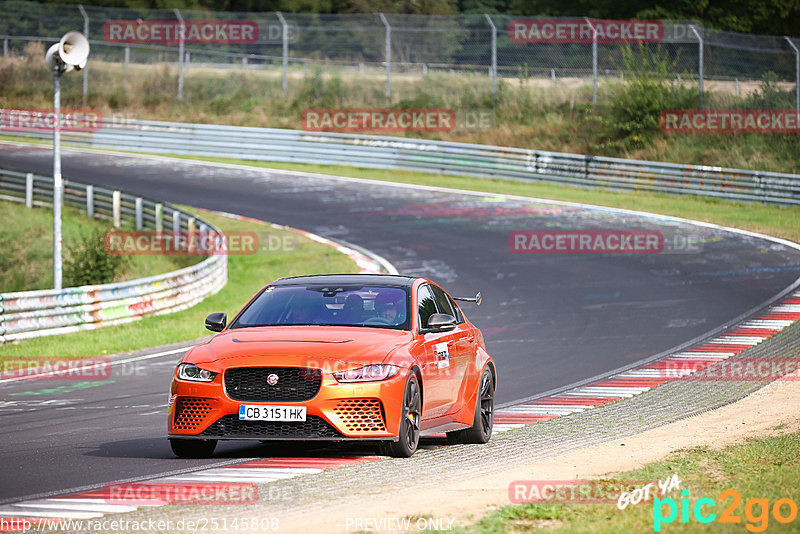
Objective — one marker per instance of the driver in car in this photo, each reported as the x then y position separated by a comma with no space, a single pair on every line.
390,308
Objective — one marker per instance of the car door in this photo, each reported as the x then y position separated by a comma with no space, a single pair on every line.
437,373
462,347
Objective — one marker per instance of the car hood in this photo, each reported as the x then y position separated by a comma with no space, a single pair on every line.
330,348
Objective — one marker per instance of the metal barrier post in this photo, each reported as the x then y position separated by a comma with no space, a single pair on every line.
181,39
797,73
701,47
29,190
127,55
285,40
90,201
116,208
594,60
86,68
494,54
159,217
176,222
5,47
388,54
138,204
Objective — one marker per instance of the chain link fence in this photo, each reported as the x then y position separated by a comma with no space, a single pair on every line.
410,45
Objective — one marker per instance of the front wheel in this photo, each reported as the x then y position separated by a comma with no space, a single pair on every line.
193,448
410,417
481,429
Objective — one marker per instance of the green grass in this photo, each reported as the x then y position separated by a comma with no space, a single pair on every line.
246,275
763,468
772,220
528,112
26,236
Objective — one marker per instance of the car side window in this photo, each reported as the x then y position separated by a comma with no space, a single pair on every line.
444,303
427,305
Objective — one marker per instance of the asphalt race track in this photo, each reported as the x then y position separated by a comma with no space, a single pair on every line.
549,319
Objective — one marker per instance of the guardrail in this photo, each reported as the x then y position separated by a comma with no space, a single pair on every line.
29,314
379,152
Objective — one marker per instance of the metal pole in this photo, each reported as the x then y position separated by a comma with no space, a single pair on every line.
797,74
701,66
58,184
388,54
86,68
127,55
594,60
181,38
494,54
285,39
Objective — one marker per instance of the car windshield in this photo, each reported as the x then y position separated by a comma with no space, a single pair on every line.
373,306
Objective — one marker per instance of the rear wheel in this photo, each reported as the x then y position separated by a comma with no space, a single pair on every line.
409,422
481,429
193,448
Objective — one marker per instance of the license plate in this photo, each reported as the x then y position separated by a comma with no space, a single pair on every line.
252,412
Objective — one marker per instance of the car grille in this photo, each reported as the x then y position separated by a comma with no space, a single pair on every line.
313,427
190,413
294,383
361,415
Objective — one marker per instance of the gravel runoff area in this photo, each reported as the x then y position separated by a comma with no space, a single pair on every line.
351,487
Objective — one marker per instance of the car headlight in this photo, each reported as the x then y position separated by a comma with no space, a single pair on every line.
188,371
368,373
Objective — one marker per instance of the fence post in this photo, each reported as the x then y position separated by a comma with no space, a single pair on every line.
86,67
5,47
127,55
553,77
701,57
797,74
116,205
176,221
494,54
29,190
181,39
139,217
90,201
594,60
388,55
285,53
159,216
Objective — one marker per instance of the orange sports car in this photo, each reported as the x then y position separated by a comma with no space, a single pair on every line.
335,358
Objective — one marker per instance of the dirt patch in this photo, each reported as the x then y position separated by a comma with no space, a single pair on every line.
464,502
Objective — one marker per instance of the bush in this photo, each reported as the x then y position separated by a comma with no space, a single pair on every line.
632,117
88,263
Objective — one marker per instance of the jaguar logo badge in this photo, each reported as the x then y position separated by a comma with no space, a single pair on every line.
272,379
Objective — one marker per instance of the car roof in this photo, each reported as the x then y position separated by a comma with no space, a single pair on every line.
349,279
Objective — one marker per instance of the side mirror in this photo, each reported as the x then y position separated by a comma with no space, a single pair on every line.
216,321
441,322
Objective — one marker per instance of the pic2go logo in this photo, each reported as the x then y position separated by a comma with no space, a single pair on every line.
783,511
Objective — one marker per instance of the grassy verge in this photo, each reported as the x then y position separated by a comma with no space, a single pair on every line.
763,468
26,258
772,220
526,112
246,275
